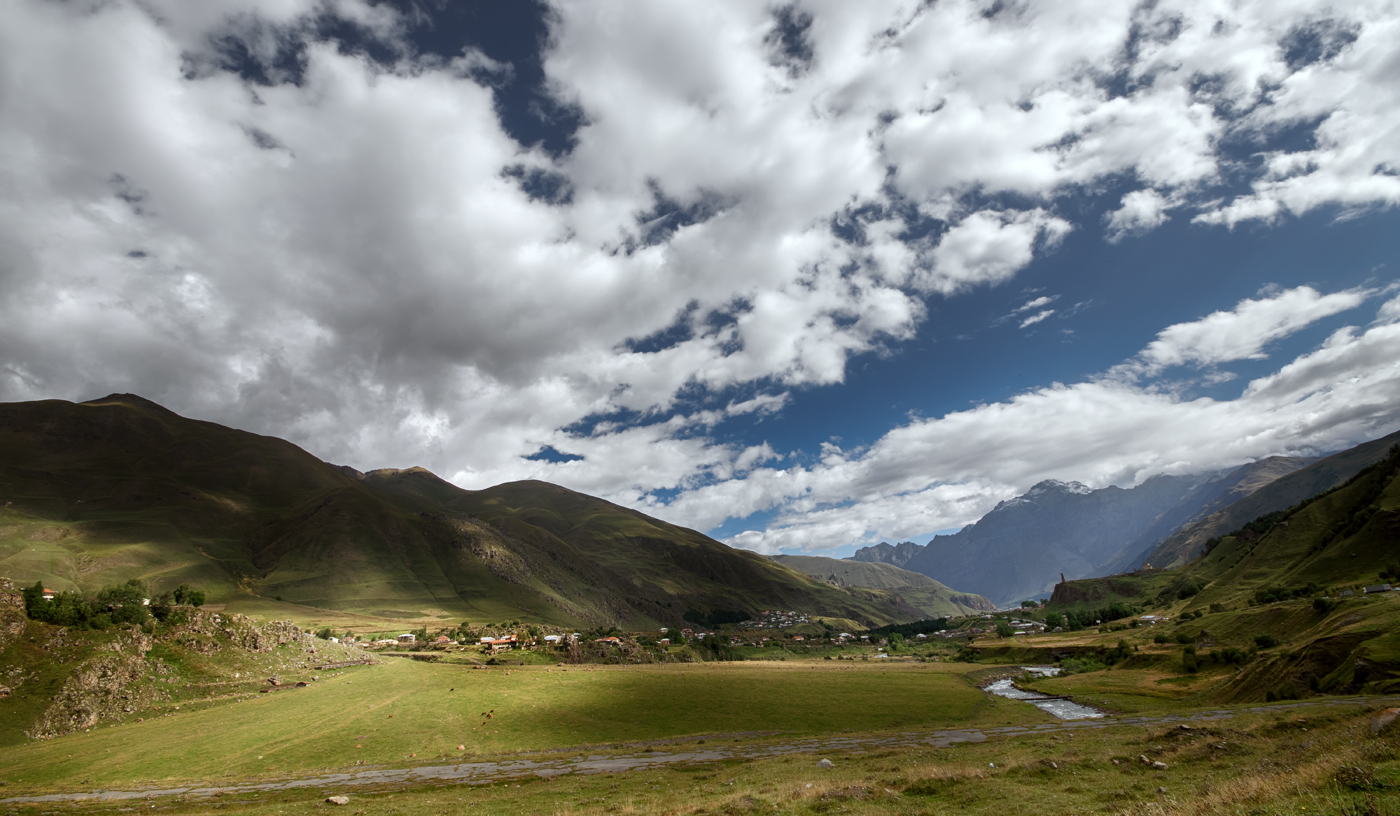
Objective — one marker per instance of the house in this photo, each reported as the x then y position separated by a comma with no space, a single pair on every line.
1346,593
665,641
609,641
798,637
407,638
921,636
553,640
1371,590
664,630
442,640
504,644
49,594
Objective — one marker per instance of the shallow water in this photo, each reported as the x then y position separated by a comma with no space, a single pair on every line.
1055,707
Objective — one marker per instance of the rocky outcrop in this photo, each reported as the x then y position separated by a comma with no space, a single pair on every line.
119,679
104,687
12,617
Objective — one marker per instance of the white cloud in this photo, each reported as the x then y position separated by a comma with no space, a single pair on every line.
349,262
989,247
1036,318
1036,303
949,471
1141,211
1243,332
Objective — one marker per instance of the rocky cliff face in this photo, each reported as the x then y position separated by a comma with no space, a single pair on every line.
882,553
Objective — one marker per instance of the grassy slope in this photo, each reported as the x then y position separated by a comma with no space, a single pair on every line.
120,487
1278,494
933,598
1339,540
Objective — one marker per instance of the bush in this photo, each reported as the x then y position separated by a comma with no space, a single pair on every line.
1161,637
1005,630
1188,662
1185,638
1082,664
1229,656
1325,605
1217,608
1265,641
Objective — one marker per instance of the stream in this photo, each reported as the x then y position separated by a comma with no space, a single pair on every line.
1057,707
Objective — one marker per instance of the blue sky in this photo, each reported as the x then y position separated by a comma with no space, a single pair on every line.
805,276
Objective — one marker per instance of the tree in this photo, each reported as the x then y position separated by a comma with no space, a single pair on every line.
896,642
1005,630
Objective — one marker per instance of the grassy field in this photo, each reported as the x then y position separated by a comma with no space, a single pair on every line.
1318,760
405,711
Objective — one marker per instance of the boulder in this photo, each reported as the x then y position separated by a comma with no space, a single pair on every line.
337,800
826,763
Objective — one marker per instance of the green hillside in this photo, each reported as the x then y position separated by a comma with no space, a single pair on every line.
95,493
1296,576
931,597
1268,495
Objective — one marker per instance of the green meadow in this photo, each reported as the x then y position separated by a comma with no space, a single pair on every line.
405,711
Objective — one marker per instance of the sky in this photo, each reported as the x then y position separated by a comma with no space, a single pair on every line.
805,277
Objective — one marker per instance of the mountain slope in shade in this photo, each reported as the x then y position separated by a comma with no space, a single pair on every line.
1020,548
99,492
1206,498
1277,494
934,599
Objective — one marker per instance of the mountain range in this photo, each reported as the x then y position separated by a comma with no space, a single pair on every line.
1024,546
99,492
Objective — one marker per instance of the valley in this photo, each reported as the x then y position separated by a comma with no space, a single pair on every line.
648,668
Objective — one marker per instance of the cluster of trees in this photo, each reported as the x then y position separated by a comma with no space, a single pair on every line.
715,617
909,630
110,606
1074,621
1269,595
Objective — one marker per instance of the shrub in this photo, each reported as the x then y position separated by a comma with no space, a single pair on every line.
1265,641
1218,607
1005,630
1082,664
1161,637
1229,656
1183,637
1325,605
1188,662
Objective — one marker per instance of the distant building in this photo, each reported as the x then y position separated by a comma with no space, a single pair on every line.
1371,590
49,594
504,644
407,638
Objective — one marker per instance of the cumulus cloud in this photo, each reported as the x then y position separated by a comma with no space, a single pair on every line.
989,247
353,252
1141,211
